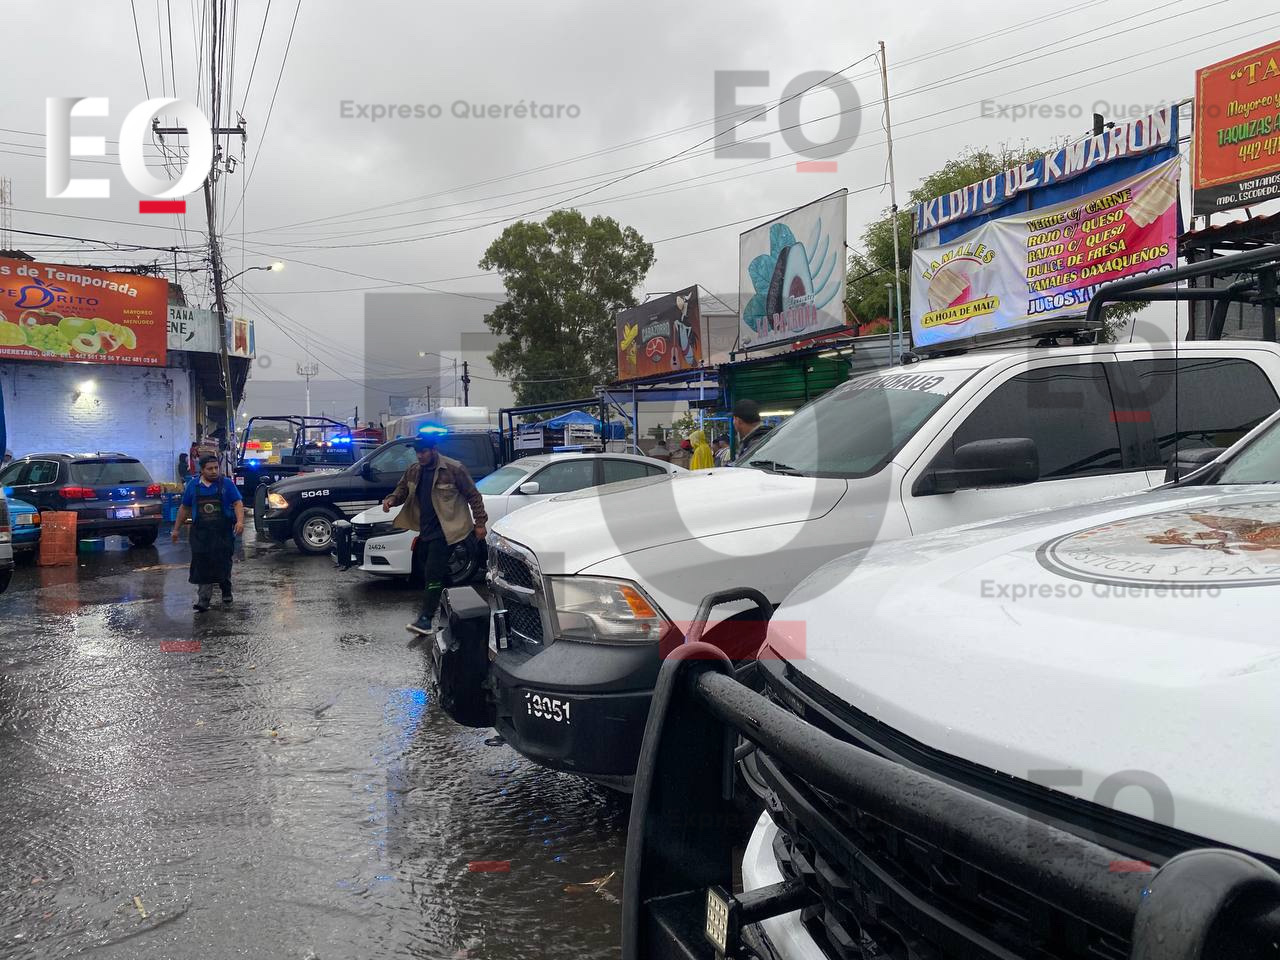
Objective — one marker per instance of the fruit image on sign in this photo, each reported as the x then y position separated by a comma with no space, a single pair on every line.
660,336
60,312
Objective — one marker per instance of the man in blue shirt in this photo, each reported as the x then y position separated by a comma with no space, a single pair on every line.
216,510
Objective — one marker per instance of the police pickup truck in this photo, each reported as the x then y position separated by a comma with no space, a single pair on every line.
589,590
304,508
1047,736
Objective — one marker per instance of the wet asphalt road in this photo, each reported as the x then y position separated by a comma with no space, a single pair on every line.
269,779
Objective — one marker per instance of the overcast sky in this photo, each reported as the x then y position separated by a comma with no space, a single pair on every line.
618,72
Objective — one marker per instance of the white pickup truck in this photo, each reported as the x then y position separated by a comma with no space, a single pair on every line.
1051,735
588,593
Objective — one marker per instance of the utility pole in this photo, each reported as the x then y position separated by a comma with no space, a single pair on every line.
307,371
466,384
893,204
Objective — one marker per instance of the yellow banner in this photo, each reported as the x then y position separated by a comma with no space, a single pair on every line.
962,312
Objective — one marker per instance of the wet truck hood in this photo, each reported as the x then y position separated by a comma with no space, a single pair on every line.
574,531
1135,634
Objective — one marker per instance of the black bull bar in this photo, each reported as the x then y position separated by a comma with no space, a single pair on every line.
680,842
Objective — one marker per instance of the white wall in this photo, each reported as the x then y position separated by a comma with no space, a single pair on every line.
143,412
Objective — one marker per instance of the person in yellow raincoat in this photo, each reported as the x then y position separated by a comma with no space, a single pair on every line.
703,458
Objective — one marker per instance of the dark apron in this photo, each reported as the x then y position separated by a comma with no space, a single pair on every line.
212,539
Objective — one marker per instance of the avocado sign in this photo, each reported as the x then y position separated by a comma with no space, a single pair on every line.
791,274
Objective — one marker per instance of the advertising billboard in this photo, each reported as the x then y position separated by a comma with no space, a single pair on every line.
1069,171
60,312
661,336
1236,139
1017,272
791,274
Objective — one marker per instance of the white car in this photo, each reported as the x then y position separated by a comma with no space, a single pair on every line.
388,552
999,740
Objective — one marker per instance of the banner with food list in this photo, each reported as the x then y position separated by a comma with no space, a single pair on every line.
51,311
1025,271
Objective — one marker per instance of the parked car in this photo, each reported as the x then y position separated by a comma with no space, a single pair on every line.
384,551
586,597
995,741
110,493
305,507
24,520
6,547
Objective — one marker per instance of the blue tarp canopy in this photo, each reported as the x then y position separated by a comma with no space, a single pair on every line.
617,431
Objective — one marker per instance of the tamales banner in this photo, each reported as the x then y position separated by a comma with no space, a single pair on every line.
1016,272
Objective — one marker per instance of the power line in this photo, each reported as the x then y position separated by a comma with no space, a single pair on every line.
272,106
138,35
258,49
1038,20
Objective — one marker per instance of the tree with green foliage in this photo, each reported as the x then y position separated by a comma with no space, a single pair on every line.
566,279
867,297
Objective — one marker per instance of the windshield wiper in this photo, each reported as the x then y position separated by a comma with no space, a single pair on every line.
773,466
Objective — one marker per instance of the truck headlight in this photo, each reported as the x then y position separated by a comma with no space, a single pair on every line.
604,611
276,502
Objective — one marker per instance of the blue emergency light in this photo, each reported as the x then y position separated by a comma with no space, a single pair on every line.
433,428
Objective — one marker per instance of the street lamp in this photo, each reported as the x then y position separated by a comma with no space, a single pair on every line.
273,267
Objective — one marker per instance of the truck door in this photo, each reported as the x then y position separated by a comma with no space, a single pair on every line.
1065,407
384,472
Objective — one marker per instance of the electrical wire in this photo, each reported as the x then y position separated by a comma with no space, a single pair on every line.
141,60
257,154
257,50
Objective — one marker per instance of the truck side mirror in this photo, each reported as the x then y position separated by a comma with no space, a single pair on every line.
988,463
529,488
1188,461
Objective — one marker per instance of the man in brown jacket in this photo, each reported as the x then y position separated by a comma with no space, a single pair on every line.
445,509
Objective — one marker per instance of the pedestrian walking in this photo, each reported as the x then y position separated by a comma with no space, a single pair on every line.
721,451
746,423
216,511
661,452
442,504
702,458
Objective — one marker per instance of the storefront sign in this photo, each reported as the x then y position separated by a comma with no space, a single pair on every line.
194,329
1136,138
1236,141
1018,271
661,336
791,274
61,312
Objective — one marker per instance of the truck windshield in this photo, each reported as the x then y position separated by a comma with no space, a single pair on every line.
1259,462
856,429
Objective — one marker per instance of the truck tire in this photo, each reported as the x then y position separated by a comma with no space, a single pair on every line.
260,508
313,530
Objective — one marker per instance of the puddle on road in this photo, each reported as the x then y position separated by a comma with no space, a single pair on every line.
287,787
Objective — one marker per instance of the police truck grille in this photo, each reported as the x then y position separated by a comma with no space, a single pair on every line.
512,569
524,621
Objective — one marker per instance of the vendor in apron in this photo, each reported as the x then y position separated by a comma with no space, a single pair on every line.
216,511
